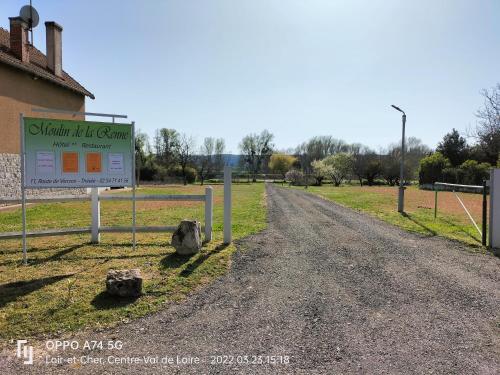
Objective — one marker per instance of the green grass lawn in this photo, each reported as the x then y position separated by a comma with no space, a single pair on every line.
417,219
62,289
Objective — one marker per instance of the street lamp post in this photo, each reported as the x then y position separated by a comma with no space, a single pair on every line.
401,195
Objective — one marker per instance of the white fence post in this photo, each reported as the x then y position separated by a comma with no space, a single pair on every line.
227,204
494,237
208,213
96,215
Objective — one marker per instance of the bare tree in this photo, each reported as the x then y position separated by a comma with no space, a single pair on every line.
488,128
415,151
360,152
206,159
158,144
220,147
186,148
391,164
372,168
167,144
257,148
317,148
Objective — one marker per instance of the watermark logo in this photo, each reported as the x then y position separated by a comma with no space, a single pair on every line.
25,352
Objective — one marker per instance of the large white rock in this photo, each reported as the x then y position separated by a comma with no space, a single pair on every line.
187,238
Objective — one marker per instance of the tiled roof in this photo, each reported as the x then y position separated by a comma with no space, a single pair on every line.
38,66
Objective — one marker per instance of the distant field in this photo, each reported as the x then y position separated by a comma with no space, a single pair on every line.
62,288
381,201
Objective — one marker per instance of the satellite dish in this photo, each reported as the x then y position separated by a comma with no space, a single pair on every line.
29,15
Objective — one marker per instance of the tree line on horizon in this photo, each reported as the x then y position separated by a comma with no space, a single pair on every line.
174,156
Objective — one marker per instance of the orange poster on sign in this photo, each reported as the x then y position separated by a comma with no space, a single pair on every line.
94,164
70,162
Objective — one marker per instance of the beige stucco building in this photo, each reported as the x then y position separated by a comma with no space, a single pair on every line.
30,79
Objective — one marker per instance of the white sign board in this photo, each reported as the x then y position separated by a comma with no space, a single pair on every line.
70,154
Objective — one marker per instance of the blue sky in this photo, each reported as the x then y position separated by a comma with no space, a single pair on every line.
226,68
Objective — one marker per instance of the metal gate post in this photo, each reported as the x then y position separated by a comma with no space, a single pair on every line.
435,202
485,213
494,237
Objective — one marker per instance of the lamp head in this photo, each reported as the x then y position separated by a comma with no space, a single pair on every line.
398,109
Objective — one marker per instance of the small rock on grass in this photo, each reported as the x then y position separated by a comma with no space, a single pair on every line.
124,283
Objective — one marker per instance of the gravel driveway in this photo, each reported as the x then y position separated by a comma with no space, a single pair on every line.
330,290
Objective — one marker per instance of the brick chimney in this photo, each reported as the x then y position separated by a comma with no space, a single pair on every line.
19,44
54,47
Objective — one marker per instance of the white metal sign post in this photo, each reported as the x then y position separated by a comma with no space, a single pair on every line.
494,241
227,205
133,185
76,154
23,191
